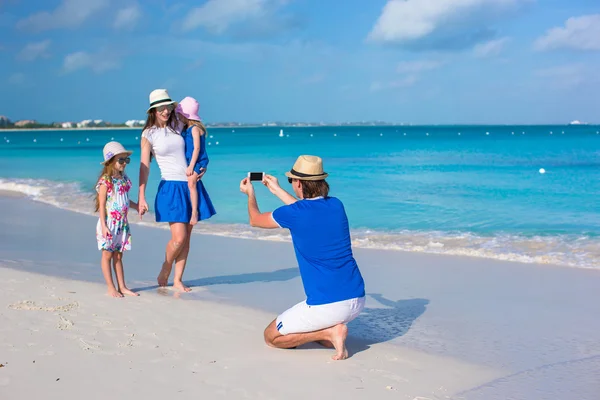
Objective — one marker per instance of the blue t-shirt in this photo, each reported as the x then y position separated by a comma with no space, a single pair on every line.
321,238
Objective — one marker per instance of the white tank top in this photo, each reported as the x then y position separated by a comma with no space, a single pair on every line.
169,149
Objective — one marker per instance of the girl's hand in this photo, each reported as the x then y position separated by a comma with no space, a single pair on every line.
135,206
189,171
105,232
142,207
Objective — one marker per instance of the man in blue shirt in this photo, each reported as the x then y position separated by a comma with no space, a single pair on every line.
334,287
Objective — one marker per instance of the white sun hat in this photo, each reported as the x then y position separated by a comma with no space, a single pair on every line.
159,97
111,149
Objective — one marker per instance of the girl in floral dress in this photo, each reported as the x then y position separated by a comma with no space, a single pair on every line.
112,230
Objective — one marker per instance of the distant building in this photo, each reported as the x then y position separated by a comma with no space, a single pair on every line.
4,121
99,122
25,122
68,125
135,122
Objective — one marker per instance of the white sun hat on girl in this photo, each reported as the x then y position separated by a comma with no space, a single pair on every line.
111,149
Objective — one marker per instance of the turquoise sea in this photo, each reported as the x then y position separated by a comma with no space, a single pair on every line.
471,190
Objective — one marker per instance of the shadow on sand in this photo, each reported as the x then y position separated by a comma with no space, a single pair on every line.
373,325
275,276
379,325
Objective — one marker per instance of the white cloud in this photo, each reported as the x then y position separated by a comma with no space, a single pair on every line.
17,78
33,51
445,23
579,33
216,16
97,62
69,14
492,48
405,67
128,17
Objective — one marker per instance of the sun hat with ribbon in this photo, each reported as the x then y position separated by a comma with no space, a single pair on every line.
307,168
188,107
159,97
111,149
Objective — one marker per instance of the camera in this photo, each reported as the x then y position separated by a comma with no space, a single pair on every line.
256,176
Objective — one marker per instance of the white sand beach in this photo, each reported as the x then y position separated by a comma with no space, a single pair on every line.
435,327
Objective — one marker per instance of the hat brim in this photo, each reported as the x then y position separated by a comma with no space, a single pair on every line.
165,103
307,178
128,152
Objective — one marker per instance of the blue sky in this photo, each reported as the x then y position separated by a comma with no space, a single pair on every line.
414,61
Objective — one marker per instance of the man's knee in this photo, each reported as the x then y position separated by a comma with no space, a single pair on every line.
271,333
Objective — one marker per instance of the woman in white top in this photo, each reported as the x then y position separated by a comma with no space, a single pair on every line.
161,138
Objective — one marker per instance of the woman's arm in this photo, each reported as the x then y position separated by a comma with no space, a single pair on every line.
144,173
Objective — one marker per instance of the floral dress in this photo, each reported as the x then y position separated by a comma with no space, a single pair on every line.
117,206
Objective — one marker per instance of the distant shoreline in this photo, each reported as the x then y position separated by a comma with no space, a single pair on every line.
108,128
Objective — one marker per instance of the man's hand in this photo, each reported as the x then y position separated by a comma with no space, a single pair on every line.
246,186
271,183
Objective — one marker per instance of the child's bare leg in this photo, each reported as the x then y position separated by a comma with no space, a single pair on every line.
192,183
107,272
118,265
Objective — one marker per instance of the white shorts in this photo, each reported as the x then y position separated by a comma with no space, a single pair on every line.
304,318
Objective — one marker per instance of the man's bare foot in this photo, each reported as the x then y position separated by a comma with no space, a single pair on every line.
194,219
129,292
181,287
339,333
163,276
325,343
113,292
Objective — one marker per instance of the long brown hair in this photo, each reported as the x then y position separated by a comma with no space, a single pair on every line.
108,172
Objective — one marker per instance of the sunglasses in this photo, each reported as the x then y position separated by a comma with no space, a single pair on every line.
163,108
290,180
124,160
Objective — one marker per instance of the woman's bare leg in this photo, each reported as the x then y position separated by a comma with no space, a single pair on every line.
174,247
118,266
107,272
181,261
192,185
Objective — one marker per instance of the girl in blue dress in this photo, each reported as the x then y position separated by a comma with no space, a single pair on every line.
194,134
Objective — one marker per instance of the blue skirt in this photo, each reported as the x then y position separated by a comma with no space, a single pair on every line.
173,204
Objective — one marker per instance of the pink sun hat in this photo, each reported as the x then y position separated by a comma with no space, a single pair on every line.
188,107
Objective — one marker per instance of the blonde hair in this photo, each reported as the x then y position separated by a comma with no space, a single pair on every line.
189,122
108,172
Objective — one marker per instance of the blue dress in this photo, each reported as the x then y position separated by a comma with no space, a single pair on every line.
202,161
205,206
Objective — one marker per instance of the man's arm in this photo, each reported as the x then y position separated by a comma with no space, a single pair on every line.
273,185
257,219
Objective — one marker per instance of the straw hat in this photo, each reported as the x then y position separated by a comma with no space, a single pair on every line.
307,168
189,107
111,149
159,97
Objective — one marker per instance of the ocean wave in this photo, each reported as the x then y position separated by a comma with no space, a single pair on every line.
581,251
